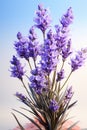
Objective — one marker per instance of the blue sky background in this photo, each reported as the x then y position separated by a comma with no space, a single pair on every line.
17,15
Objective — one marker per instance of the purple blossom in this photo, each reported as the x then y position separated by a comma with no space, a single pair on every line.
21,96
69,94
77,61
38,81
43,19
67,18
49,54
19,35
27,47
32,34
16,68
21,47
62,41
66,50
33,43
53,106
61,37
60,75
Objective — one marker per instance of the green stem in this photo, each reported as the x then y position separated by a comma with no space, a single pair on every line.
56,84
62,64
58,89
44,35
27,91
25,87
54,76
66,80
34,62
29,64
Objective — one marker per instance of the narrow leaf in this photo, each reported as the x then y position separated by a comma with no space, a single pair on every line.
72,104
21,127
70,128
28,119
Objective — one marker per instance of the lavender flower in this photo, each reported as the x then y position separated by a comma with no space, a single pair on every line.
53,106
69,94
67,18
62,41
66,50
49,54
22,47
38,81
60,75
16,68
77,61
43,19
21,96
19,35
27,47
33,44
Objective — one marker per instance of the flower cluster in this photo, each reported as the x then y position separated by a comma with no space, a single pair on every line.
53,105
38,81
47,97
43,19
49,54
16,68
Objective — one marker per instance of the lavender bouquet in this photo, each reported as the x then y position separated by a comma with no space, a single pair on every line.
48,96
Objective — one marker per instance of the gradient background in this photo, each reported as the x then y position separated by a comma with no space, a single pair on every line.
17,15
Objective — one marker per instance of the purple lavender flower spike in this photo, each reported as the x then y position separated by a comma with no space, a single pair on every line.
62,41
69,94
38,81
60,75
33,43
21,96
66,50
43,19
53,106
27,47
49,54
67,18
16,68
32,34
22,48
77,61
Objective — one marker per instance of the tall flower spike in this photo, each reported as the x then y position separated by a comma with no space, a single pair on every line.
16,68
66,50
69,94
49,54
78,60
63,42
33,43
21,46
67,18
38,81
53,105
27,47
20,96
60,75
43,19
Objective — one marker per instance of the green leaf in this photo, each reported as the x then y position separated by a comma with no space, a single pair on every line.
70,128
21,127
48,121
28,119
72,104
